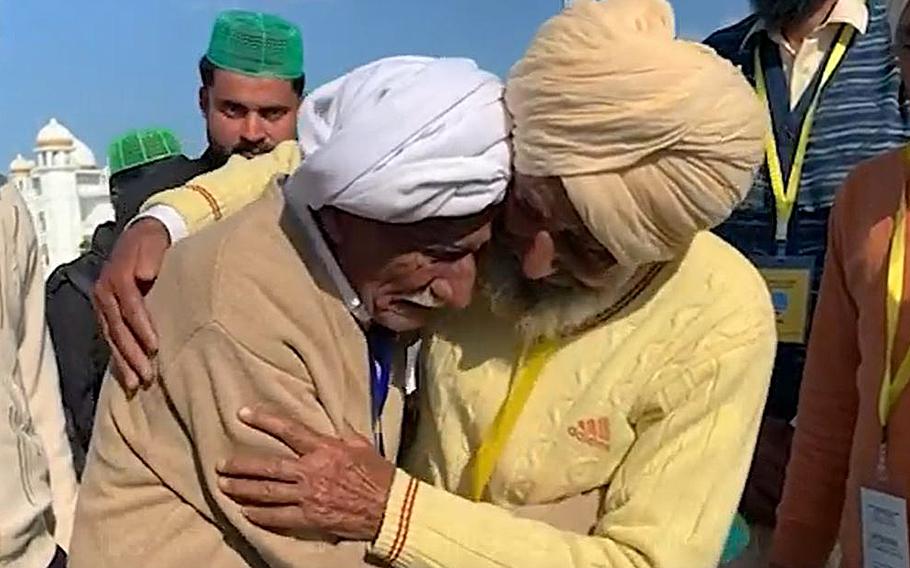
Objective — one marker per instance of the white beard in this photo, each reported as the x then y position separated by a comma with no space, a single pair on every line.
546,309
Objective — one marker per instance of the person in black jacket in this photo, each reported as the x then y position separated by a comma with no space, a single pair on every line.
82,354
142,164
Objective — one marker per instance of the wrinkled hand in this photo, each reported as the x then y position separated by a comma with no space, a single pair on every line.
764,487
336,487
118,300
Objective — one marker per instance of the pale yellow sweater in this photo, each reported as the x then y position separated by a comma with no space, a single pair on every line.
679,375
656,409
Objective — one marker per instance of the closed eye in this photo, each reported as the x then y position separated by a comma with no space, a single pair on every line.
443,253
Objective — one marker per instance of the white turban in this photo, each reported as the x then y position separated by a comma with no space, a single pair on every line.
405,139
654,138
895,11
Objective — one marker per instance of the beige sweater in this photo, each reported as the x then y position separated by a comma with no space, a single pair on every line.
38,484
246,314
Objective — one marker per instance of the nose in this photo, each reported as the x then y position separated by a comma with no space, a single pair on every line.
455,283
253,128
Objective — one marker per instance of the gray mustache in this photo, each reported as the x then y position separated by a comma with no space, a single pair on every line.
424,298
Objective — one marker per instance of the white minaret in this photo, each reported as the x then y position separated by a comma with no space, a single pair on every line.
66,193
19,170
92,188
54,183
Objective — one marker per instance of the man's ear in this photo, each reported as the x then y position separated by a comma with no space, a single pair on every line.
204,101
539,260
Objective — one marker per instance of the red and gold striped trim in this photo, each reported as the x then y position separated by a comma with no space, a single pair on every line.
627,298
213,203
404,520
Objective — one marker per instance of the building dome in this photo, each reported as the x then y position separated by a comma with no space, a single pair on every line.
20,165
54,135
83,156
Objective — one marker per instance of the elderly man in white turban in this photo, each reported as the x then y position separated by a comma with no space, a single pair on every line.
297,301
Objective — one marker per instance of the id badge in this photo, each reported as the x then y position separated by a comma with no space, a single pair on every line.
884,519
789,279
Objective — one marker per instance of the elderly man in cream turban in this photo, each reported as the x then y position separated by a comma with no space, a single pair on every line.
294,301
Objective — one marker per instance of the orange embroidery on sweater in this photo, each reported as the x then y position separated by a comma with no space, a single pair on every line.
213,203
592,431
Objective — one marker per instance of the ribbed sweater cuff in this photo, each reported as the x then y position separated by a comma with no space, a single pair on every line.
393,536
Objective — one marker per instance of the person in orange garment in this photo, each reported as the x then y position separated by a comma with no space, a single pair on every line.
850,464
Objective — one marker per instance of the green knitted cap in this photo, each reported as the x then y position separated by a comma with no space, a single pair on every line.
139,147
256,44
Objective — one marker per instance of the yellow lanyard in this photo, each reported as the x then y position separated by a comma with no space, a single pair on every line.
524,377
894,383
785,195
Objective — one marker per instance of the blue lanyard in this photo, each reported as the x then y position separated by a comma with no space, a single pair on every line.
381,344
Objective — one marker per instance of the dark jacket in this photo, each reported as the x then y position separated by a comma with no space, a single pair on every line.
82,353
861,114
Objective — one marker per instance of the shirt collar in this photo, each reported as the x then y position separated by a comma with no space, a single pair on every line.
323,253
851,12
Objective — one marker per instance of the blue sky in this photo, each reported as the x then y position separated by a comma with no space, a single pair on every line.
105,66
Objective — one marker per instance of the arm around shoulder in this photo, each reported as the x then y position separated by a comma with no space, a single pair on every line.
221,193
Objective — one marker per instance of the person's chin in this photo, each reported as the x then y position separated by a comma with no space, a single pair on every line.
402,319
398,322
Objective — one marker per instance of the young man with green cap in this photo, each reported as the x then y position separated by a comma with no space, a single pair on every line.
252,85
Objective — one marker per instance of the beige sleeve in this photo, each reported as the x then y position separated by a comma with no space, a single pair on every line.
42,383
179,432
225,191
670,504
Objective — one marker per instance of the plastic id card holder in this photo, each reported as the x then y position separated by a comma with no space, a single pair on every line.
884,519
789,279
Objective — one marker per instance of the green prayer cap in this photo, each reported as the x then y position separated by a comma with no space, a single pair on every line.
256,44
139,147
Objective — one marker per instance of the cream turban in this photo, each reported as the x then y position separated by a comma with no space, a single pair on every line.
895,11
655,138
405,139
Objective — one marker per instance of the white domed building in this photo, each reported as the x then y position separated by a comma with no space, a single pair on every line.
66,192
